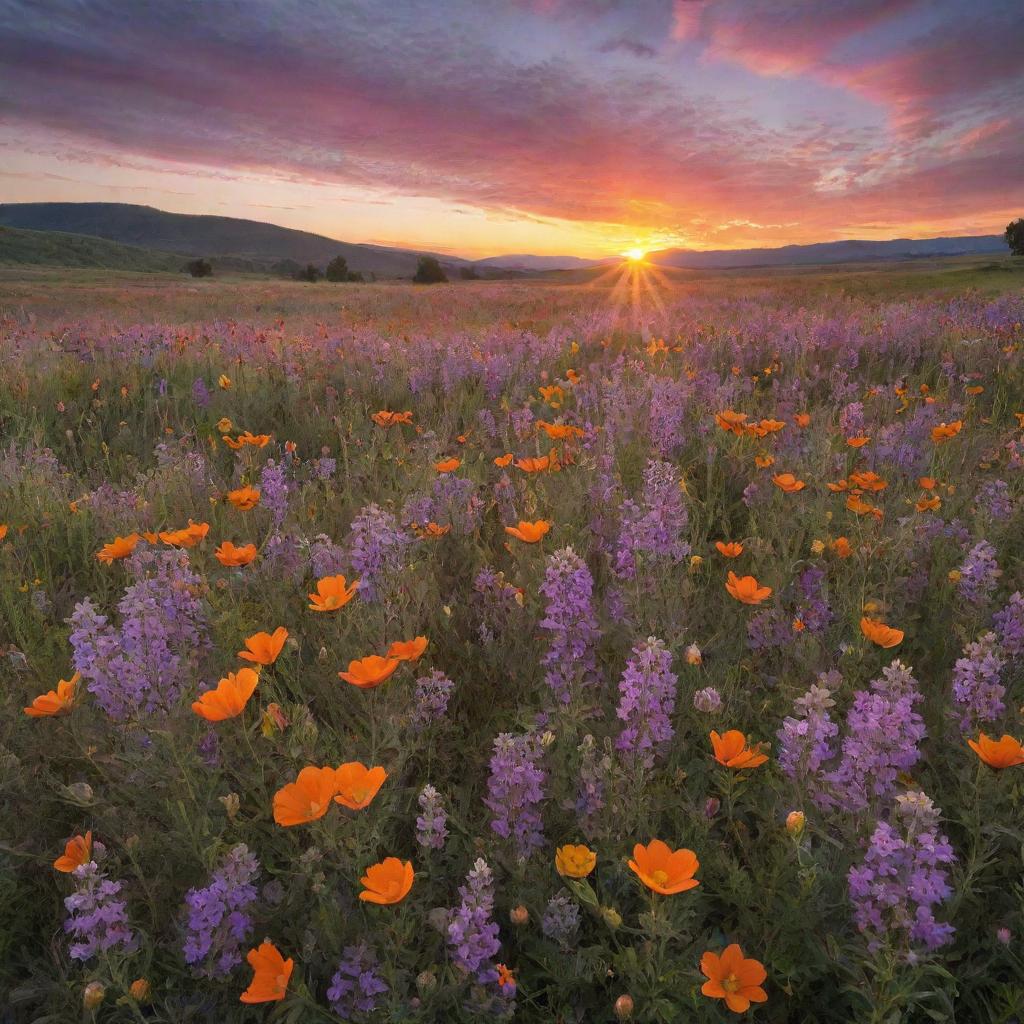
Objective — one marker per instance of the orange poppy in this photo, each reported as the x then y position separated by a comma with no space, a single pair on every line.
764,461
4,528
731,750
188,537
119,547
54,702
868,481
448,465
857,442
263,648
506,979
77,851
553,395
838,487
734,978
575,861
229,697
944,431
534,465
803,419
504,460
369,672
928,483
244,498
858,505
357,785
529,533
731,421
931,504
881,634
788,483
271,975
998,754
306,799
385,418
331,594
841,547
435,531
746,589
664,870
227,554
730,549
408,650
560,431
388,882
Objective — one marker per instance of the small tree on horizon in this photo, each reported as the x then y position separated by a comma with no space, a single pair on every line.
308,273
337,270
1015,236
199,268
429,271
469,273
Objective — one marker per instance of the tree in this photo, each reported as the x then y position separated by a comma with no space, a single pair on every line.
337,269
429,271
469,274
309,273
199,268
1015,236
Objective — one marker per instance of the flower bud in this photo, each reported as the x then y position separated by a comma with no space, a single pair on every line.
611,917
519,915
426,981
93,995
81,792
695,563
624,1007
231,803
1004,935
693,655
795,821
140,990
712,807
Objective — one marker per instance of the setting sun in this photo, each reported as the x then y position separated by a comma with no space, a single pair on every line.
634,255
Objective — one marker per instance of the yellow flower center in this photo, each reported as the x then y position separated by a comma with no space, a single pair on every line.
359,795
660,877
731,984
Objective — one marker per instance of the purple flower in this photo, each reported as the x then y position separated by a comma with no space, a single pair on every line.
1009,625
979,573
432,695
141,666
472,932
805,739
96,917
561,920
431,824
591,784
883,733
708,700
647,698
200,393
217,925
357,985
515,789
903,878
570,659
977,688
377,547
655,526
494,602
995,501
274,491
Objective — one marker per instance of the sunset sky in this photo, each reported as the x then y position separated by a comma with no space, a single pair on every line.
481,127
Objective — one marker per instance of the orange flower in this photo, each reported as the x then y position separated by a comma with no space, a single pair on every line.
357,785
664,870
385,418
575,861
4,528
764,461
868,481
435,531
534,465
529,533
733,978
367,673
77,851
229,697
998,754
272,973
506,979
838,487
731,421
331,594
931,504
189,537
306,799
730,549
944,431
560,431
881,634
803,419
408,650
504,460
928,483
858,505
244,498
841,547
746,589
857,442
448,465
263,648
119,547
788,483
731,750
228,554
387,882
54,702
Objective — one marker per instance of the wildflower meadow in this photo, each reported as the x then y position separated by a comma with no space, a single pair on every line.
503,651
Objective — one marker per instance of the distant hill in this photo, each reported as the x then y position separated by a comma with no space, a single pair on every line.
60,249
527,262
828,252
191,235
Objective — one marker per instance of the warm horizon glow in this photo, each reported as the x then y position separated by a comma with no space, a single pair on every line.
635,255
535,126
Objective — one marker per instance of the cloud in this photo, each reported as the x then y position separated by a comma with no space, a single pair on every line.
521,108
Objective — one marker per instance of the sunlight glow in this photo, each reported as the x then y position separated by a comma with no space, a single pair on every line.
635,255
